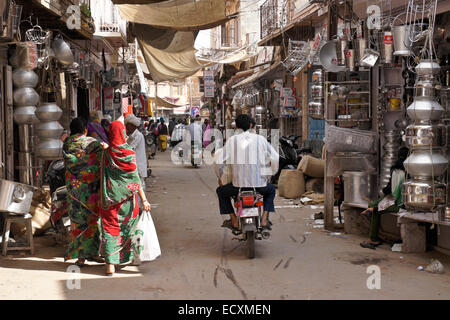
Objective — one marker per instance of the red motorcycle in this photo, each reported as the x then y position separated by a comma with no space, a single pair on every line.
249,204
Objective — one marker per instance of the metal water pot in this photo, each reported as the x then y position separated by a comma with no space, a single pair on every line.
427,67
423,163
425,110
423,194
25,97
25,78
425,135
50,148
49,111
51,129
25,115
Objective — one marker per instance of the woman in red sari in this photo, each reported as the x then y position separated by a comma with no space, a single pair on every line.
120,185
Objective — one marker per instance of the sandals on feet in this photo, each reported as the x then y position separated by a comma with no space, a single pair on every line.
228,224
80,263
369,245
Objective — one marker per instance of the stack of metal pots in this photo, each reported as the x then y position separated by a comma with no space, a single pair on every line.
25,101
390,156
49,130
425,138
316,105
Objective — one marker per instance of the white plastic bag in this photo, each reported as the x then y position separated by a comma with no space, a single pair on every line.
145,240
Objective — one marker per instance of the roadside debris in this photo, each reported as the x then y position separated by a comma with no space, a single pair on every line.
397,247
435,267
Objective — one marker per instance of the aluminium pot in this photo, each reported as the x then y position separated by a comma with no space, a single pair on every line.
15,197
49,130
360,188
50,148
423,194
423,163
25,115
427,67
49,111
25,97
425,110
426,88
25,78
425,135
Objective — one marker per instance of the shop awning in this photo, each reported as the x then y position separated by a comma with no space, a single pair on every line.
177,14
160,102
272,72
168,54
230,58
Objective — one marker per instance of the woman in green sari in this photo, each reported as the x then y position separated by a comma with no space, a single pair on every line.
120,185
82,161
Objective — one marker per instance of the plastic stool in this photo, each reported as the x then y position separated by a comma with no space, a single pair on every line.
14,219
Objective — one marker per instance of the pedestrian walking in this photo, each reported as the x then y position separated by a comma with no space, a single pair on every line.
163,132
172,124
136,141
82,160
120,186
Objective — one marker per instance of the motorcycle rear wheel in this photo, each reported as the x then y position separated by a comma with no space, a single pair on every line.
251,244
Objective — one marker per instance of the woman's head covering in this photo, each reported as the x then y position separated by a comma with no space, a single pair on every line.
96,131
120,179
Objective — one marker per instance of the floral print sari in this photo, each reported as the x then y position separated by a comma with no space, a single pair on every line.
82,160
119,211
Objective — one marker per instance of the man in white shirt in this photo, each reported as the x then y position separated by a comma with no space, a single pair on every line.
136,141
178,133
249,155
195,130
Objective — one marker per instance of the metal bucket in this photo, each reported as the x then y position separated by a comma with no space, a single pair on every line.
360,188
402,42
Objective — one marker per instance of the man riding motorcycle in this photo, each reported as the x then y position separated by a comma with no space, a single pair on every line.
248,155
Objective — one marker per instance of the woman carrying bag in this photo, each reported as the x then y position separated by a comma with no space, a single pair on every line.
120,185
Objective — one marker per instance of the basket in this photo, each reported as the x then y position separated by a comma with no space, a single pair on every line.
349,140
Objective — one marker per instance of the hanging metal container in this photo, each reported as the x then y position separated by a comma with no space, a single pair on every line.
62,51
25,115
425,110
51,129
25,97
425,135
50,148
25,78
423,163
49,111
402,42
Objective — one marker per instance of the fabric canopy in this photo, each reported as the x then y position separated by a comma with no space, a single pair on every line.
231,58
270,72
168,54
182,15
166,104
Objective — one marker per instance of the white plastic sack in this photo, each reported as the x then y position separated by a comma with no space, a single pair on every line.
145,240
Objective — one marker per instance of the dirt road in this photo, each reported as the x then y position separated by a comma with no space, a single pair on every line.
201,261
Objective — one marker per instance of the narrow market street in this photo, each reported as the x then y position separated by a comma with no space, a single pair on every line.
201,261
